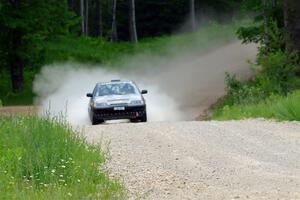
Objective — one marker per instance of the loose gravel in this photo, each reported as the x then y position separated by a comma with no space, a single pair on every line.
251,159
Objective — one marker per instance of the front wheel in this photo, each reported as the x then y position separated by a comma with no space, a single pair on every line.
97,121
144,118
139,119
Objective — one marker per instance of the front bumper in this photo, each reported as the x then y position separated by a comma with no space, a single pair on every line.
109,113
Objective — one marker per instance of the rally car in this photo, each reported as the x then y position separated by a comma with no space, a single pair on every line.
117,100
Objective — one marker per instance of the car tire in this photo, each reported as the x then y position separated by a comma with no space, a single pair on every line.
144,118
97,121
133,120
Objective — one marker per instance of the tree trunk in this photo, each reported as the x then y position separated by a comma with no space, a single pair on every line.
82,17
132,22
86,17
266,22
99,24
114,32
71,4
193,15
292,25
16,61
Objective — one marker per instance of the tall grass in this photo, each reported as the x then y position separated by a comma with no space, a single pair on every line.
275,107
44,159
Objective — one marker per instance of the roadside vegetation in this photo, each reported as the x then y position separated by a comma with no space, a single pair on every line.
283,108
38,32
100,51
97,51
272,93
43,158
274,90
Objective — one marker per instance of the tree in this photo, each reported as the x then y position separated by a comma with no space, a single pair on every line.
25,24
82,17
16,61
132,22
266,21
114,33
71,4
292,25
192,15
86,17
269,15
99,23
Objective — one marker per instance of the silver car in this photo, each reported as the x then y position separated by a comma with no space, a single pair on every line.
117,100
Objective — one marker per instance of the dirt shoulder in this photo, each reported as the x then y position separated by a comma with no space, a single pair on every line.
12,110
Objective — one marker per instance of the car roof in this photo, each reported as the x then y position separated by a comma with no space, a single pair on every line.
115,81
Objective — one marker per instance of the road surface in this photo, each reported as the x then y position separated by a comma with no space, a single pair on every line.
252,159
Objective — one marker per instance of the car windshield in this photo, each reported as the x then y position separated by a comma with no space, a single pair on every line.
115,89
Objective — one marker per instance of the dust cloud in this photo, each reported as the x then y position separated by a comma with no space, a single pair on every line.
181,86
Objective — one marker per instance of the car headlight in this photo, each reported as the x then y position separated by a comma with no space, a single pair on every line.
99,105
136,102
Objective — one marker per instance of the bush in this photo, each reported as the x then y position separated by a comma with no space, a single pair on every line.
277,107
276,75
242,93
42,158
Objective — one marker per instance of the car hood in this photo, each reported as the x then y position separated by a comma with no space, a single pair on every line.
117,99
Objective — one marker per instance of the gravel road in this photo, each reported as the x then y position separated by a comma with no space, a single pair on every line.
252,159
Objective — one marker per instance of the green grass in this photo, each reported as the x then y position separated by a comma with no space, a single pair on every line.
99,51
44,159
276,107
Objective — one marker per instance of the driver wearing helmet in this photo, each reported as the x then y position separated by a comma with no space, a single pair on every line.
128,89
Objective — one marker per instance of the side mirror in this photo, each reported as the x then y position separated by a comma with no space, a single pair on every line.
144,92
89,95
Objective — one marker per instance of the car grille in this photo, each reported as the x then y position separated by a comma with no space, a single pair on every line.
119,104
128,113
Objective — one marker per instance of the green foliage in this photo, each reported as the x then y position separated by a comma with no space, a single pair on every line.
242,93
42,158
88,50
157,18
37,20
275,72
275,107
276,39
26,24
250,34
268,94
10,98
99,51
262,27
276,75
